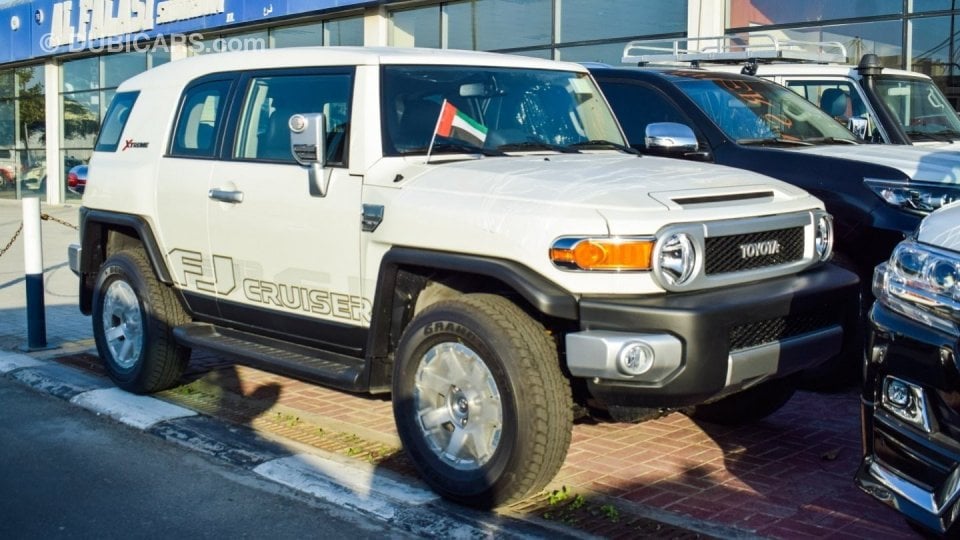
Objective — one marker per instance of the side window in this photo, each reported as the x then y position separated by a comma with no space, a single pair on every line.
201,114
270,101
637,106
114,122
838,98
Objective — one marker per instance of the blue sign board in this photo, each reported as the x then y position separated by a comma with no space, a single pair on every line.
41,28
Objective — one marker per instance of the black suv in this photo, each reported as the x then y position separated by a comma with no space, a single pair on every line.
911,391
758,125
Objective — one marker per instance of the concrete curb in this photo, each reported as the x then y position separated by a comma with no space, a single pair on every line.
356,486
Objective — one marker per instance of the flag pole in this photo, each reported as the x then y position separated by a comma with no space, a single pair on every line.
433,138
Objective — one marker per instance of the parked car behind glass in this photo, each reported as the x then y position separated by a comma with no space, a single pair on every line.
77,179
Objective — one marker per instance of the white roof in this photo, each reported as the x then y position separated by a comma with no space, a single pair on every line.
181,71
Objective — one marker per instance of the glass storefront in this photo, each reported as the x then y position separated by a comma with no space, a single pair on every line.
22,131
334,32
578,30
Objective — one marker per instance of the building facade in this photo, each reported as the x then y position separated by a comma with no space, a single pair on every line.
61,60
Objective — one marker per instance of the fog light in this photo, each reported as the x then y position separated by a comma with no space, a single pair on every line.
635,358
898,394
906,401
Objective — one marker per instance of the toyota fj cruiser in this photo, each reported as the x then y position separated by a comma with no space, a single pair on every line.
464,230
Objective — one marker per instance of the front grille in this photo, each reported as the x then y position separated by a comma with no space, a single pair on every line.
773,330
739,252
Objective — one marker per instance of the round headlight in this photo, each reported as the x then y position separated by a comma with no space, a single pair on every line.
676,258
823,238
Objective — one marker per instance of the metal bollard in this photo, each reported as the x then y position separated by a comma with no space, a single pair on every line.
33,266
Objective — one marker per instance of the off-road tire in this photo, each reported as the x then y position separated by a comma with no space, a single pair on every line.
159,361
535,404
747,406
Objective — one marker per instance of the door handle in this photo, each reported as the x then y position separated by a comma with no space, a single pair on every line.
226,196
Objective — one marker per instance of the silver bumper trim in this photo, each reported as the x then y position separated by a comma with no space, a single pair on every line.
73,257
783,357
593,354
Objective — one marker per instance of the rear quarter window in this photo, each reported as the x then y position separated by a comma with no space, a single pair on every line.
116,119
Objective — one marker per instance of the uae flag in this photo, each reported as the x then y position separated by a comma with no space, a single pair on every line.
455,124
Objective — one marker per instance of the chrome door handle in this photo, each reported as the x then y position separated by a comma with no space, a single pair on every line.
223,195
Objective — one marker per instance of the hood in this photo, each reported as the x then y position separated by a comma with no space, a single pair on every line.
920,163
942,228
597,181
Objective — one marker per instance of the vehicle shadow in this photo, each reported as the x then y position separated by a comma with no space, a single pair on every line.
787,476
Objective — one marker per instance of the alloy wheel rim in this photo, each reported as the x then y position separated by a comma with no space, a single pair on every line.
458,406
122,324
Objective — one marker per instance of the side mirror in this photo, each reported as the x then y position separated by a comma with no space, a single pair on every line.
309,147
669,138
307,134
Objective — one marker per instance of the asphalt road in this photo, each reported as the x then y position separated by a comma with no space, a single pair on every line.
65,473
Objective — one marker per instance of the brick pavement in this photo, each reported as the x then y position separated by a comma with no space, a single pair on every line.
789,476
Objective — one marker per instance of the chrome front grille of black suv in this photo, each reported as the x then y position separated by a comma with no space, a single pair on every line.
739,252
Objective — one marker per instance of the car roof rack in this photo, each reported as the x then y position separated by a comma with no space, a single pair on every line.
753,48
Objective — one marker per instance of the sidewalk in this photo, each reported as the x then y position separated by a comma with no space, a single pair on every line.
787,477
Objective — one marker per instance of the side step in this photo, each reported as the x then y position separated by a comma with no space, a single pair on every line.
314,365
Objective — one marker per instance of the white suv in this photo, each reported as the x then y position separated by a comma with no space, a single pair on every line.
464,230
880,104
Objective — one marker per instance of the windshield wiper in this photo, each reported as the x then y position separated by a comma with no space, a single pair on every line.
536,145
600,144
461,147
943,136
830,140
773,140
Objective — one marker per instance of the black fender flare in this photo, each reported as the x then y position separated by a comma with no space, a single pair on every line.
544,295
93,238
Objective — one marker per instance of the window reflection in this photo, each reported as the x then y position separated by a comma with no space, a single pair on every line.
582,20
498,24
415,27
745,13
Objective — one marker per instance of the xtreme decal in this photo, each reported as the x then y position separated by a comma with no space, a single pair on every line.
217,276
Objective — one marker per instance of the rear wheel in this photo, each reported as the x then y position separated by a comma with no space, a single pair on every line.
479,400
749,405
133,320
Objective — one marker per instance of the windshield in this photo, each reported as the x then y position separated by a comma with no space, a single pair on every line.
489,110
920,107
756,111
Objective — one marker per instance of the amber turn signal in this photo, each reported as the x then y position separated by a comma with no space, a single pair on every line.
611,254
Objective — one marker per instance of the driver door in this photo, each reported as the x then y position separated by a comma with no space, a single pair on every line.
294,257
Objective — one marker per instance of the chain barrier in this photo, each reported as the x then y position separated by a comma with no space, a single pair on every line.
12,240
48,217
44,217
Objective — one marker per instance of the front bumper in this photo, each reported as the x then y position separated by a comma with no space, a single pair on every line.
716,341
73,258
911,454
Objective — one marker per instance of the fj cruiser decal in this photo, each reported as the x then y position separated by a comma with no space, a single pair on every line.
201,275
217,276
341,306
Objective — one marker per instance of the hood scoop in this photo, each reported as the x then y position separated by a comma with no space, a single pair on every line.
722,198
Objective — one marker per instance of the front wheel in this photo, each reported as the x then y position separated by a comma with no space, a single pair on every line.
133,320
480,402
